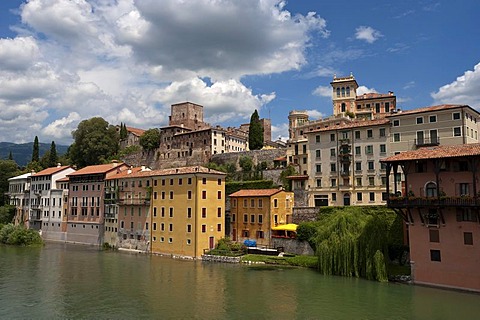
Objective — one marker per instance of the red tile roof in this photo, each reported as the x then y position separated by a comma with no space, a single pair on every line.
166,172
101,168
353,124
65,179
136,131
50,171
255,193
437,152
427,109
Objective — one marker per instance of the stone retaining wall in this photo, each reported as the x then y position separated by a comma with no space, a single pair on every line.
293,246
224,259
304,214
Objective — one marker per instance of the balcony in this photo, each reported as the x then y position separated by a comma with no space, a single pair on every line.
401,202
427,142
345,172
344,142
134,202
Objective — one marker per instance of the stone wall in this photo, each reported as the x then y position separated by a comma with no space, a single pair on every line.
293,246
258,156
304,214
224,259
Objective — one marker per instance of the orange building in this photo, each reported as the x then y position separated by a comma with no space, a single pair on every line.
254,212
442,211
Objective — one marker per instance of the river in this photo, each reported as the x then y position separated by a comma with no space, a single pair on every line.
61,281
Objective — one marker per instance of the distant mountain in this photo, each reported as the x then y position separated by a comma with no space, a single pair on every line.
22,153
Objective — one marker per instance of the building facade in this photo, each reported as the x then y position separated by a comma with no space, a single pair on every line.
255,212
19,196
441,207
188,210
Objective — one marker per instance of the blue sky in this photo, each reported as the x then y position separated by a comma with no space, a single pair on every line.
64,61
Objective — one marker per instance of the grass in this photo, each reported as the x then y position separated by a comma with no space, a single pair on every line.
297,261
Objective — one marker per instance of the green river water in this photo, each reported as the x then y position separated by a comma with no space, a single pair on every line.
62,281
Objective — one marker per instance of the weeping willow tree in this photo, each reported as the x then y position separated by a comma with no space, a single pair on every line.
353,242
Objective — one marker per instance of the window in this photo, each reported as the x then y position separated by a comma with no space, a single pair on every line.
369,149
468,238
372,196
332,152
260,203
357,135
432,119
204,228
387,106
369,133
189,195
318,154
204,194
317,138
377,107
171,195
189,181
155,195
260,218
333,182
275,203
171,212
252,218
419,120
396,137
334,197
234,203
383,148
382,132
204,212
246,233
163,212
219,195
260,234
219,227
371,165
154,211
358,150
333,167
163,182
319,183
359,196
434,235
219,182
245,218
233,217
154,226
359,182
371,181
204,180
245,203
396,123
252,203
170,227
456,116
435,255
464,190
457,132
332,137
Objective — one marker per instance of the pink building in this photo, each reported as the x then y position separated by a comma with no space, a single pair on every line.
441,206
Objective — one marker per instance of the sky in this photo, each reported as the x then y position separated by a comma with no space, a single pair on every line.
127,61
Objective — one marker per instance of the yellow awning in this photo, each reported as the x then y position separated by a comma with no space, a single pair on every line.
286,227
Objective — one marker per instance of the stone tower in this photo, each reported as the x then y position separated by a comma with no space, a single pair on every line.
344,93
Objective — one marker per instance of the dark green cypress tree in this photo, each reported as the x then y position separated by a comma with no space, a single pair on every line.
36,151
53,159
10,156
255,133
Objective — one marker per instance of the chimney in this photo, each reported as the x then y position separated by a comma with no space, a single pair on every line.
59,165
114,163
129,171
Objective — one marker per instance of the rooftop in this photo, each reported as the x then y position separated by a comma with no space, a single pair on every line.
136,131
50,171
255,193
431,108
437,152
101,168
165,172
353,124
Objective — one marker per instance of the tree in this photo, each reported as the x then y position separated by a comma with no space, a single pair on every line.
246,163
8,169
255,132
36,150
150,139
94,142
123,131
53,158
287,183
10,156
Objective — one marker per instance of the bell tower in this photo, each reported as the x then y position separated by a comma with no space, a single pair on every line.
344,93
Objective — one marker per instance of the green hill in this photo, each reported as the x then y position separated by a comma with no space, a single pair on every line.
22,153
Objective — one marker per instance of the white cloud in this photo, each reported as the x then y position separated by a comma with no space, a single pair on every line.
127,61
410,84
315,114
362,89
367,34
464,90
280,131
323,91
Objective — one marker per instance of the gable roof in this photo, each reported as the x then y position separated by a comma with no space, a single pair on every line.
437,152
353,124
165,172
136,131
101,168
50,171
255,193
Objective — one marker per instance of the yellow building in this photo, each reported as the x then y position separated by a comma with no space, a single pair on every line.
255,212
188,208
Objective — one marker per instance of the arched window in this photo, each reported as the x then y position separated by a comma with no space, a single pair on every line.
348,91
343,92
338,92
344,107
431,189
